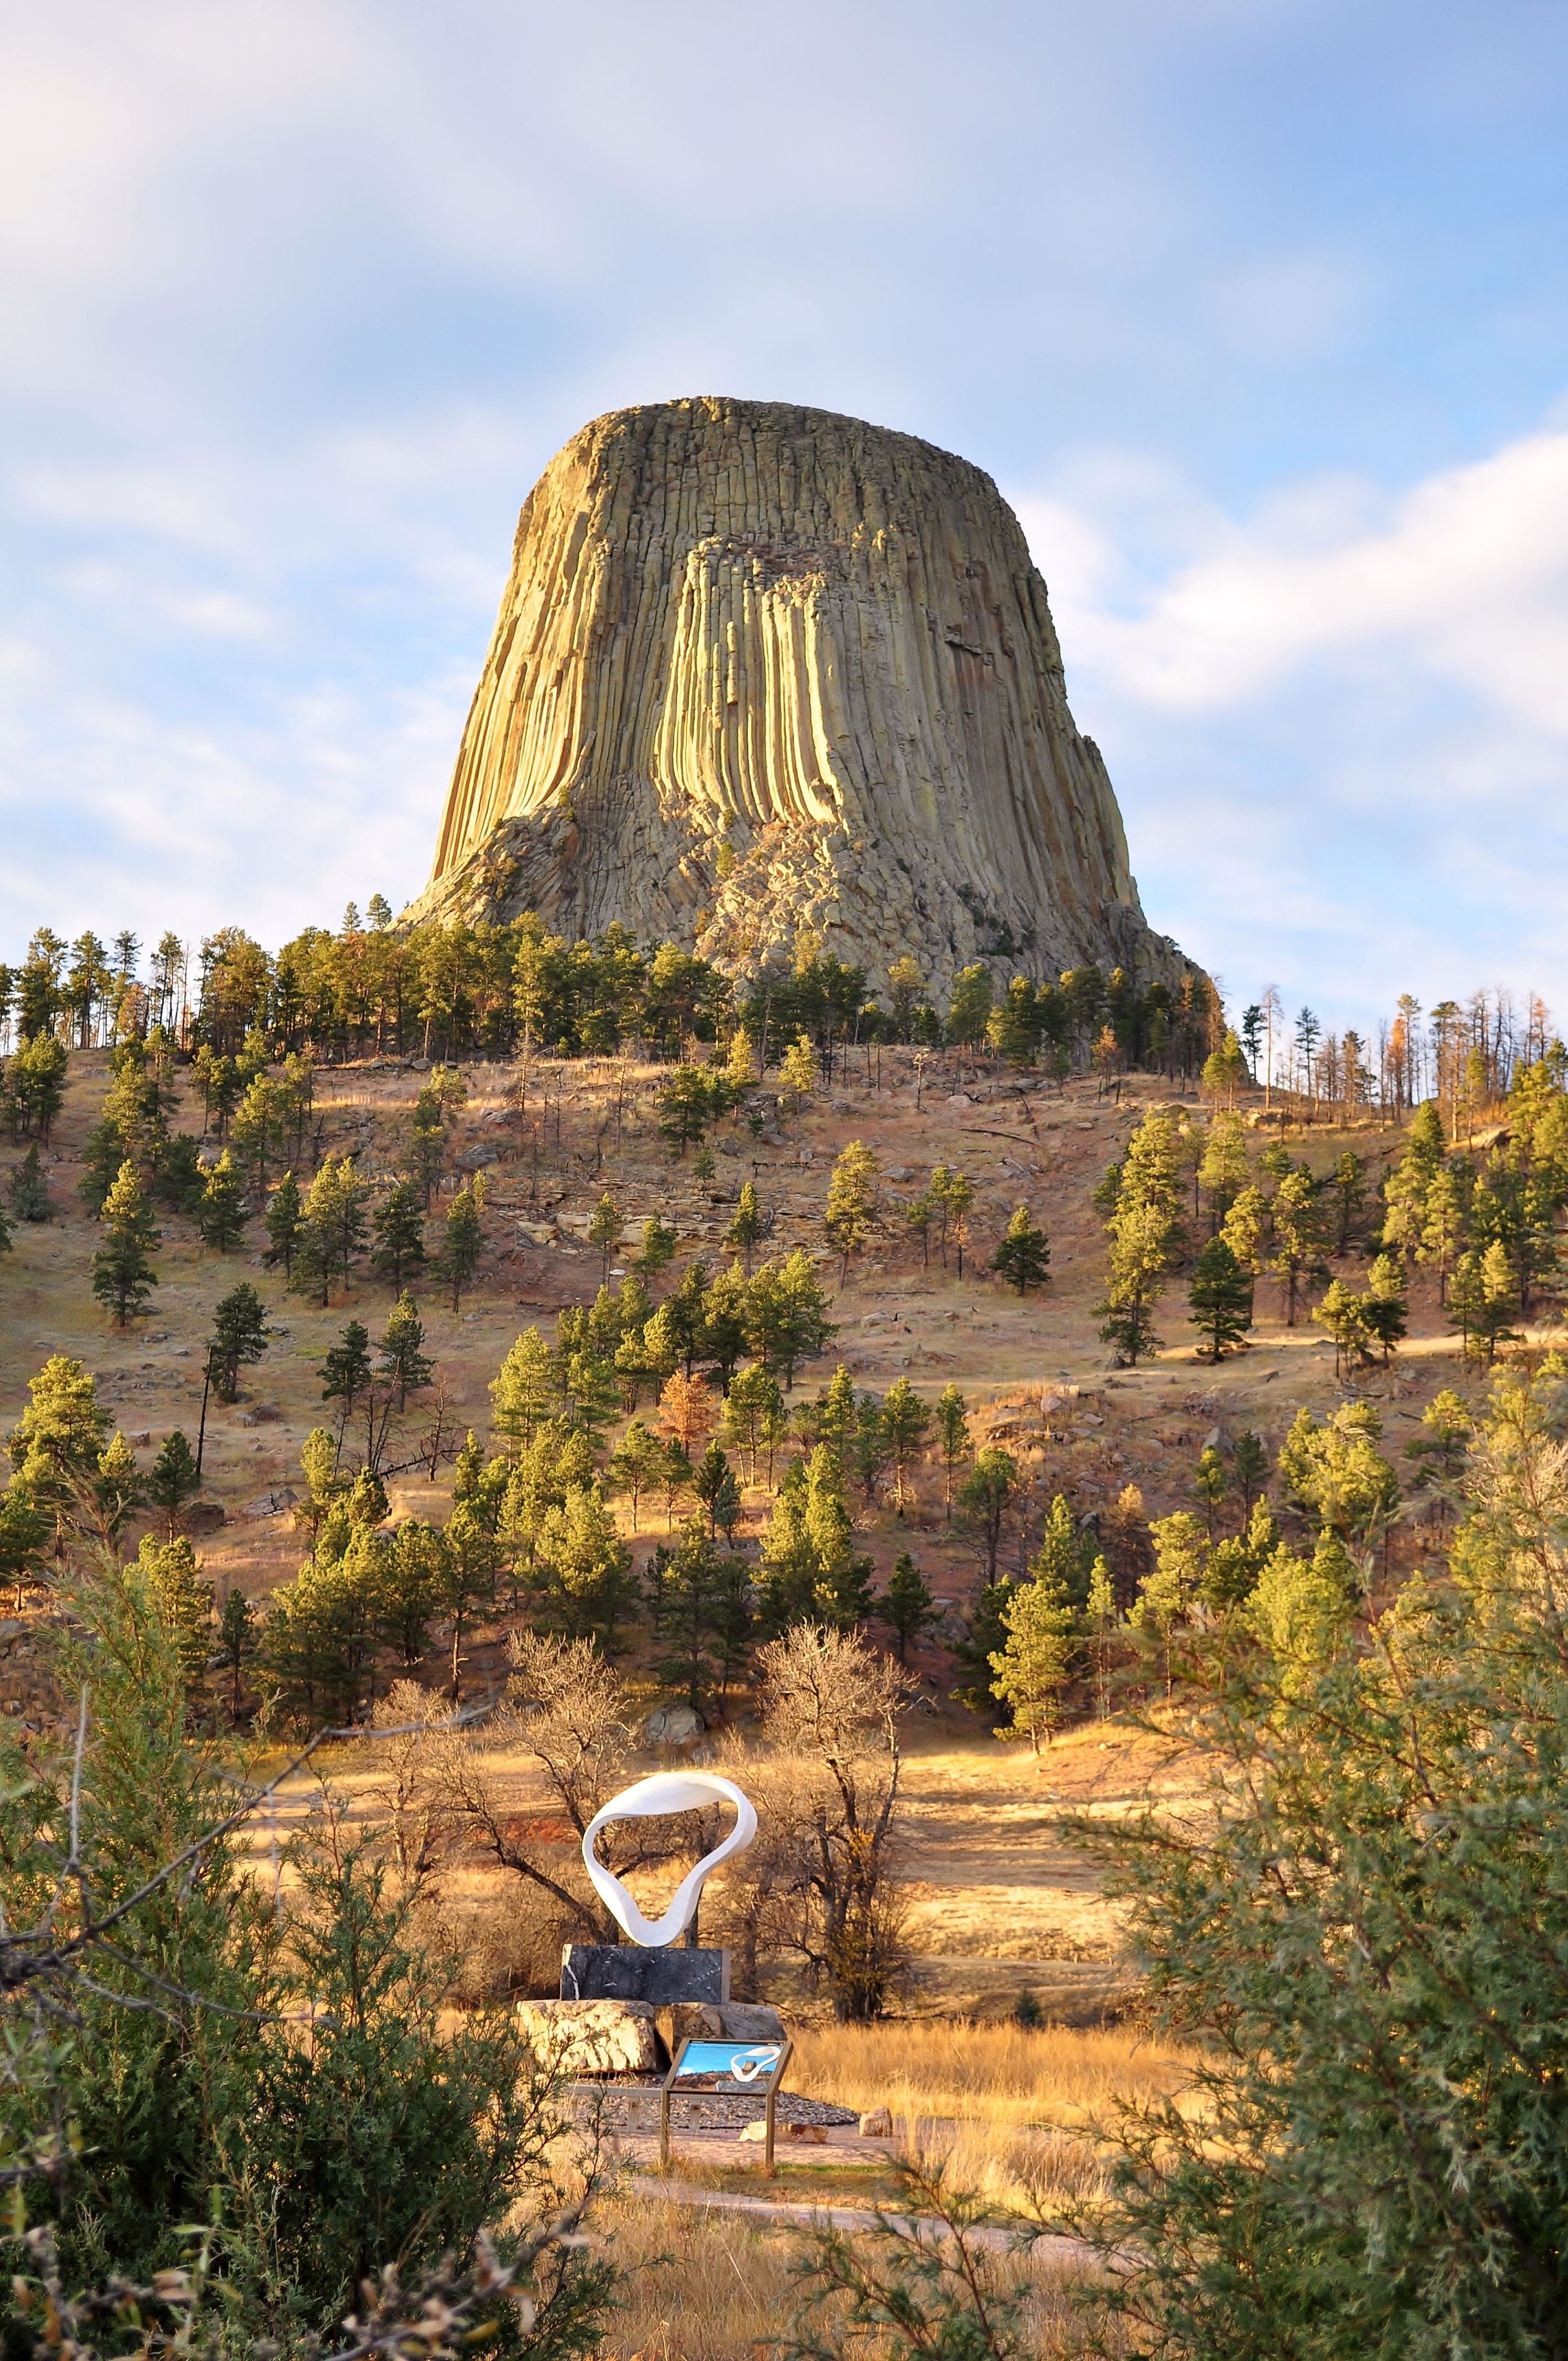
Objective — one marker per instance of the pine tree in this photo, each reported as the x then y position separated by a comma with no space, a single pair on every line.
1297,1236
1023,1254
587,1567
636,1464
969,1009
236,1643
405,1365
701,1615
1249,1464
952,1427
464,1241
1385,1307
905,1423
657,1250
1168,1592
1099,1619
332,1229
239,1339
754,1416
1221,1297
427,1144
183,1600
221,1214
31,1200
605,1232
345,1373
1444,1225
1222,1171
398,1226
1064,1555
745,1231
175,1479
986,1496
123,1276
717,1490
1211,1483
527,1391
955,1195
282,1224
849,1215
1030,1672
906,1606
797,1073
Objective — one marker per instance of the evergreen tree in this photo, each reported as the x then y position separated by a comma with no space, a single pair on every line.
427,1144
797,1073
1349,1195
332,1229
952,1428
28,1192
282,1223
345,1373
657,1250
221,1214
906,1606
236,1643
636,1464
1168,1592
1385,1307
398,1226
239,1339
406,1367
586,1568
754,1417
174,1480
1144,1234
717,1490
1024,1255
1442,1451
849,1215
123,1275
1221,1297
1222,1171
955,1197
183,1600
905,1423
464,1241
1296,1238
701,1615
1211,1483
1065,1555
1249,1464
605,1232
986,1495
1443,1230
745,1231
527,1391
969,1009
1100,1620
1030,1670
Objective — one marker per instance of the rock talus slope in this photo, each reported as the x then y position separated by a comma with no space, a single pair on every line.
761,669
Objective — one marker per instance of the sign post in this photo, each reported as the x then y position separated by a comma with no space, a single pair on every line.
719,2068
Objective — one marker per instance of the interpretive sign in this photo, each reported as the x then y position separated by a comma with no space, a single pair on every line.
723,2069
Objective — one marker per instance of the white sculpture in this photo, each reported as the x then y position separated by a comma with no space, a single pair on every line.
666,1791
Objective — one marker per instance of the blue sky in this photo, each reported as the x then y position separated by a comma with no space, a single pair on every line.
1255,311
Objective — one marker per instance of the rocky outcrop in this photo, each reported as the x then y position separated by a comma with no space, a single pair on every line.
761,669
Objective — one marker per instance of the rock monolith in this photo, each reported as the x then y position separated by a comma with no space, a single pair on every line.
760,671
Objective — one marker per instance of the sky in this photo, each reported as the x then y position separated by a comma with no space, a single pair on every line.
1256,310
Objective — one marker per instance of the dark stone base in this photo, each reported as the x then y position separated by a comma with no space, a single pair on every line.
626,1972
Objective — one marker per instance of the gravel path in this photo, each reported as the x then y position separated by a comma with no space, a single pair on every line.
1049,2248
637,2104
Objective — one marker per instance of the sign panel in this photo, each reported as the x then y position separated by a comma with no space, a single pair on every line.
740,2064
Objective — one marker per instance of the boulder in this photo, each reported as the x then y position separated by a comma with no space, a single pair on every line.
672,1725
587,2039
718,2020
877,2124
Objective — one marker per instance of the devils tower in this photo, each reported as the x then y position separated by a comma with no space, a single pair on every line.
761,670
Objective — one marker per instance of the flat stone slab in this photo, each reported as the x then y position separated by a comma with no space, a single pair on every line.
593,2036
627,1972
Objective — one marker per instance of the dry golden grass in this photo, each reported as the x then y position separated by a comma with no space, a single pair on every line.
1000,2104
996,2075
719,2287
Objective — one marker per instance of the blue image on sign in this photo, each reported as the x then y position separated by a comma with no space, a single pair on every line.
743,2062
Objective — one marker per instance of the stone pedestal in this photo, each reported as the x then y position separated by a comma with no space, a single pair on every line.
626,1972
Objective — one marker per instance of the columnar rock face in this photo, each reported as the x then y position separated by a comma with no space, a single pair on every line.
761,670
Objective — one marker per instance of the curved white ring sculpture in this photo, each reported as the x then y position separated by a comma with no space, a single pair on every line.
666,1791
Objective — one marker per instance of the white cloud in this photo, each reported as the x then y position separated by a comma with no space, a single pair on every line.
1464,578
